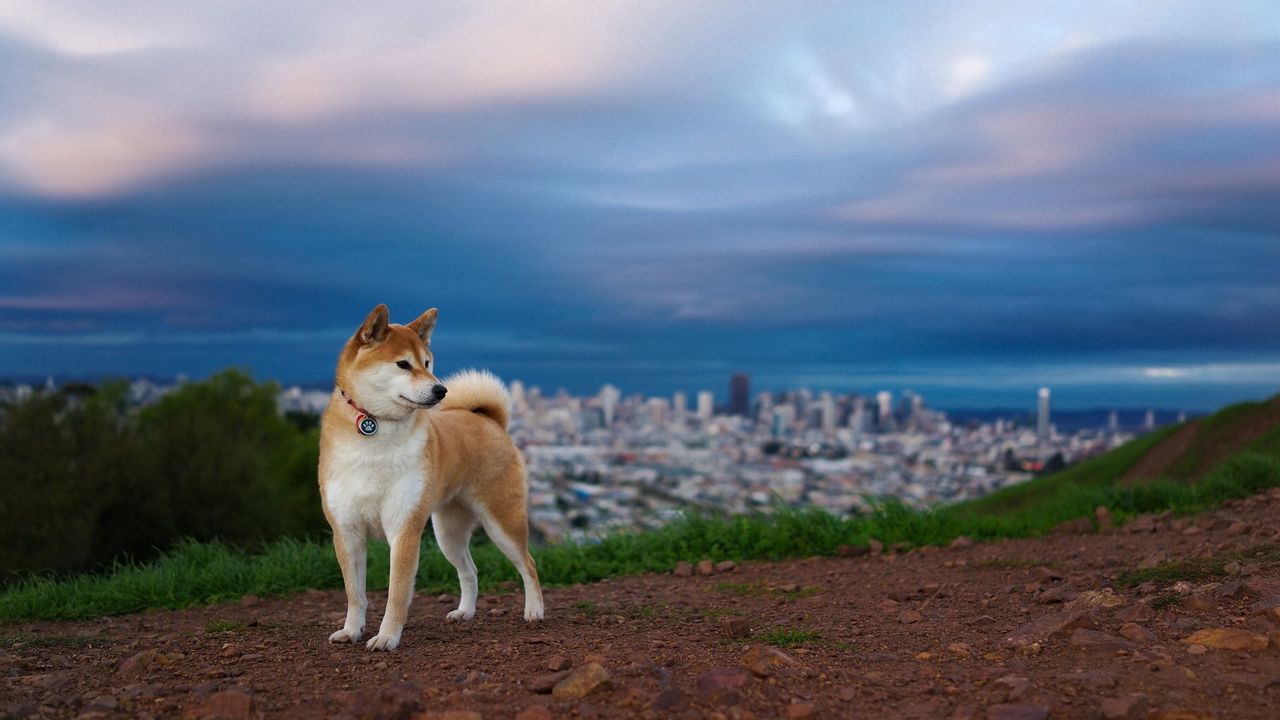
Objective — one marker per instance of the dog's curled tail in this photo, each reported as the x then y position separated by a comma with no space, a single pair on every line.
478,391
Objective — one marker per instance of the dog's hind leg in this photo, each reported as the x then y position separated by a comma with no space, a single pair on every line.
507,524
349,544
453,524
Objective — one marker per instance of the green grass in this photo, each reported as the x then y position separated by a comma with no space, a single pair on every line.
213,627
1197,569
48,641
199,574
787,637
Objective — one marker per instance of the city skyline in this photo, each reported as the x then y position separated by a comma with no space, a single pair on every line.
968,202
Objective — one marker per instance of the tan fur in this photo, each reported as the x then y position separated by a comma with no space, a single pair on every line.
462,469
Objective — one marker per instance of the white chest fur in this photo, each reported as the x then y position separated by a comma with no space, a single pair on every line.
374,482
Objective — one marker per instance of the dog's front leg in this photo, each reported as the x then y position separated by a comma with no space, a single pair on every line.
351,547
405,547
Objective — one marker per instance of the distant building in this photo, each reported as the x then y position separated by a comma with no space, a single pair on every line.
740,395
706,405
884,410
679,406
1043,428
1113,422
1149,422
609,396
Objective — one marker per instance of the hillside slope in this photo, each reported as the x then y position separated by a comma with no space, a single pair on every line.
1176,617
1239,439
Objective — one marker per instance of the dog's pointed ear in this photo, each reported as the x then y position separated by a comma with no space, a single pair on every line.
425,323
374,328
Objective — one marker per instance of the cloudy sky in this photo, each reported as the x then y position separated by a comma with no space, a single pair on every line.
967,199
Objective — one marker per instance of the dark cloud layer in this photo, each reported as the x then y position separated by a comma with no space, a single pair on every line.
806,201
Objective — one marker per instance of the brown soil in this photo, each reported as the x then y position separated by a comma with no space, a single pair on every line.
1158,459
923,634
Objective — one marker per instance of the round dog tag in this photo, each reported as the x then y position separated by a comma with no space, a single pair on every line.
366,425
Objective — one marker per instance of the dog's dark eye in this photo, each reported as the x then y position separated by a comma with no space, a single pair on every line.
403,365
426,364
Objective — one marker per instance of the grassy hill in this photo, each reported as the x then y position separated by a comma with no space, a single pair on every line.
1204,459
1184,469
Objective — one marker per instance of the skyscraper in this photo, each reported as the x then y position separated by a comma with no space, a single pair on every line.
609,396
706,405
1042,416
739,394
884,410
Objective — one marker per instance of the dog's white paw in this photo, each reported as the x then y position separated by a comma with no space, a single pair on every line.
383,642
346,636
533,613
459,614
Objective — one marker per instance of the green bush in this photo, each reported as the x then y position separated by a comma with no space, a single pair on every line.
87,482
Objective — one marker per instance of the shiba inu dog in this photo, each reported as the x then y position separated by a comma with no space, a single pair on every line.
398,446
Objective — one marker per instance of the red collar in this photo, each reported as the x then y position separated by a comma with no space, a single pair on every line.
366,423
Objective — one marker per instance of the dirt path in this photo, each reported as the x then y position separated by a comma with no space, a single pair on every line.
1019,629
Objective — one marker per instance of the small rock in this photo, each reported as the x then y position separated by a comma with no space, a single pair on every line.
545,683
1018,687
1129,707
558,662
673,699
1042,628
848,551
1137,612
1057,594
962,541
1193,530
534,712
706,568
1239,527
961,649
1231,588
497,612
908,617
1156,558
875,547
722,678
1017,712
800,710
1229,639
1197,649
1137,633
1199,602
1141,524
683,569
735,627
225,705
229,650
1098,641
249,600
581,682
726,566
889,604
1048,574
764,661
104,702
139,663
1103,516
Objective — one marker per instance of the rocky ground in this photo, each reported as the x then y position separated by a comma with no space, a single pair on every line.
1019,629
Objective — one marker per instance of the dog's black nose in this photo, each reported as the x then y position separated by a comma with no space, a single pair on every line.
438,391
